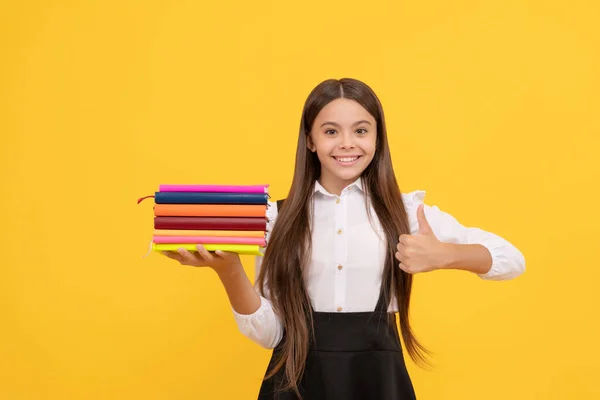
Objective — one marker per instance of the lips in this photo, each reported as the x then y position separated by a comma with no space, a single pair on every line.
346,160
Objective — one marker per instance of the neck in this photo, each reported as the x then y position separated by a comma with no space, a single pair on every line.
335,186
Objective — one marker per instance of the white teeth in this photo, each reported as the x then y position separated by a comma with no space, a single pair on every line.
346,159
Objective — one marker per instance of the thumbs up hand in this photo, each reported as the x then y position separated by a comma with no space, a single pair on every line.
421,252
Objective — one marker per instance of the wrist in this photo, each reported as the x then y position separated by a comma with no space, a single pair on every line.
451,256
468,257
229,271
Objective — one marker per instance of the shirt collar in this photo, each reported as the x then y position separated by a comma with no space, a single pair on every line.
357,184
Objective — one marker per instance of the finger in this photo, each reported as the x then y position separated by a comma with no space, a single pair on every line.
400,256
226,256
172,255
404,239
205,254
406,268
187,257
401,264
222,254
424,227
401,246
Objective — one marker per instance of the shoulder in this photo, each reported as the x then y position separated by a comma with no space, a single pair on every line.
411,202
272,209
413,199
272,212
443,224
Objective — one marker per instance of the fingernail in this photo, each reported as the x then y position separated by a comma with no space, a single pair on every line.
181,250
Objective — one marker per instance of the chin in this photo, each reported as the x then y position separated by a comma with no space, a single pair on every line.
348,175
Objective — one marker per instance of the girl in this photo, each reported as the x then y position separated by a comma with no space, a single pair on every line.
342,250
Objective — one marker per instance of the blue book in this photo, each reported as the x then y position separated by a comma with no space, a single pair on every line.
210,198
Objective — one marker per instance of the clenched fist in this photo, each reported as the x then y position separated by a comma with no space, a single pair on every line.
421,252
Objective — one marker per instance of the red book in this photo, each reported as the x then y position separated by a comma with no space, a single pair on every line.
212,223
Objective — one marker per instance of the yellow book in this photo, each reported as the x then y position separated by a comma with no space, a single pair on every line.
242,249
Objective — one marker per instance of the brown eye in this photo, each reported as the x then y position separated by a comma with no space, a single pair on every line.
330,130
361,131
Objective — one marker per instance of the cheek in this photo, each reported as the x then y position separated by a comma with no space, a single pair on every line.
324,149
369,147
373,148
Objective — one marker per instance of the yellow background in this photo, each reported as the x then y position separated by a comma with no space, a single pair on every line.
492,108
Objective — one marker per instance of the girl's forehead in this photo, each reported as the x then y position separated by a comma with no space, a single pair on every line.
344,111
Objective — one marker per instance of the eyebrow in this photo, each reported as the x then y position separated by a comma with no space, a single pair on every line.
335,124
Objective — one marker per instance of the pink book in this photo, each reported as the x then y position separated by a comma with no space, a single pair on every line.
209,240
215,188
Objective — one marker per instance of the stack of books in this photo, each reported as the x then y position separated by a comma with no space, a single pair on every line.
230,218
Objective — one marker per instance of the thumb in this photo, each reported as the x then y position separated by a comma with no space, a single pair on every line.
424,227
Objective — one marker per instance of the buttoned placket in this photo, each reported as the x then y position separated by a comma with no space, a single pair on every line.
340,243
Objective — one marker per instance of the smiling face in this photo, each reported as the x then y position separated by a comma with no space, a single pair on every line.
344,136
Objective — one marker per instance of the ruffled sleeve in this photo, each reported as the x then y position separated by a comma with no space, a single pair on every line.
507,261
263,326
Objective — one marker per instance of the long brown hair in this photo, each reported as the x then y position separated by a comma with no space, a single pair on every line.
289,246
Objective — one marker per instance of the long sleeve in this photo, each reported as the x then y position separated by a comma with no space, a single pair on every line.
507,261
263,326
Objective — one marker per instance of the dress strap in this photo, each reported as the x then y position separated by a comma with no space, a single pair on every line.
279,203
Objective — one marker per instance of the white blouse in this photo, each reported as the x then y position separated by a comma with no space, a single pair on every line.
348,254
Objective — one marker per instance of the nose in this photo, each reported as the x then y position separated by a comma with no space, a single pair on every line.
347,141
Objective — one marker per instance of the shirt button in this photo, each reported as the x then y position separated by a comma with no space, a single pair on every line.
337,201
340,267
339,231
339,308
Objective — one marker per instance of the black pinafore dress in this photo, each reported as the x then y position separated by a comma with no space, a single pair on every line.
354,356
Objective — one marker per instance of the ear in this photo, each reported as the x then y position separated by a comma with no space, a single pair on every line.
309,143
